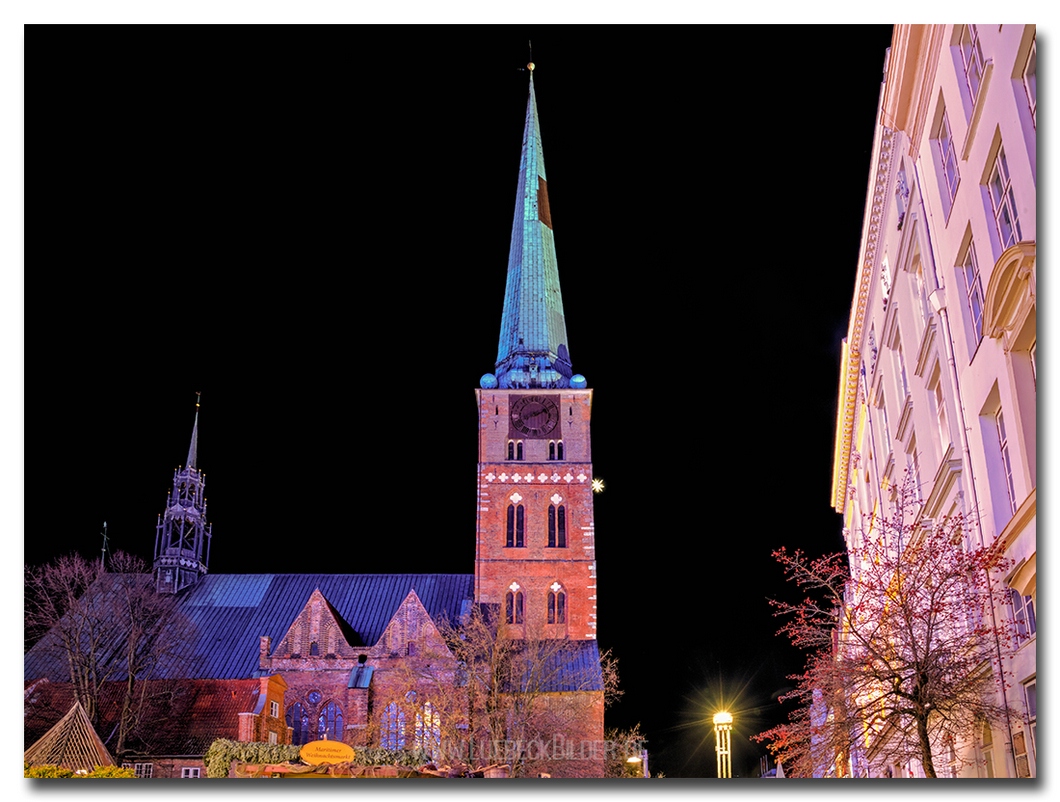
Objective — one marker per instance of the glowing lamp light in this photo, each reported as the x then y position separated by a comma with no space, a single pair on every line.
598,485
723,741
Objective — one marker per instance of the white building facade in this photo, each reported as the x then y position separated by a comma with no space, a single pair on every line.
939,364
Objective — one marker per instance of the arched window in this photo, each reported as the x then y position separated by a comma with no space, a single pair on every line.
428,736
557,526
329,722
551,449
298,720
515,536
559,449
513,606
392,727
519,450
557,604
511,449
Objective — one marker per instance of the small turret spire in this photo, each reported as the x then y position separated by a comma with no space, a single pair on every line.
182,534
193,449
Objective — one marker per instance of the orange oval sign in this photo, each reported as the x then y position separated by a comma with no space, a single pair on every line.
317,752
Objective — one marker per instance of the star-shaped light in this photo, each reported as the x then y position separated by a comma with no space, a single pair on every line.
598,485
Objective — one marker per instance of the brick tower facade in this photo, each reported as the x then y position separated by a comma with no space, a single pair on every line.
535,549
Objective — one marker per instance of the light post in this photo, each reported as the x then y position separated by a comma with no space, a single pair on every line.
723,738
642,759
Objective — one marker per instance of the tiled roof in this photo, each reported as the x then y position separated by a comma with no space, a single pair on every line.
231,612
181,718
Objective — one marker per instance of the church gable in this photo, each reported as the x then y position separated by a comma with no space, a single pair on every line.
318,632
411,632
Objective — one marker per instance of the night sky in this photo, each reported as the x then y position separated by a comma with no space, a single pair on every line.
311,228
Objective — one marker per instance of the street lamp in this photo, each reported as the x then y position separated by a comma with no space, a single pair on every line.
642,758
723,738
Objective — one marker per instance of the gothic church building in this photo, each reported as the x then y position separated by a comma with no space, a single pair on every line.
291,658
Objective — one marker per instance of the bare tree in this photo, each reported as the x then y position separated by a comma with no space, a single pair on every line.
106,626
903,645
532,702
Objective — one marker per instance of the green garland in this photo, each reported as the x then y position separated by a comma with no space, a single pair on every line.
48,772
222,752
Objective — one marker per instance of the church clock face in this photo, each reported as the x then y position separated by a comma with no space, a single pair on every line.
534,416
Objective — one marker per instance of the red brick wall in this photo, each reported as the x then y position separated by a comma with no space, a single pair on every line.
537,483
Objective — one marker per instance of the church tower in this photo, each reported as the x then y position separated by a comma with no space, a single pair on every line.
535,550
182,537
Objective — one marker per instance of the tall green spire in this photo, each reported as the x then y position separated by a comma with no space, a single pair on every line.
532,351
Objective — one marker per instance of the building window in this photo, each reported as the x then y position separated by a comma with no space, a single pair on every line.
939,399
1019,749
298,720
272,737
1006,458
1003,201
885,428
274,709
1030,81
986,749
921,285
1030,695
511,449
144,771
971,59
392,730
190,773
557,604
513,605
914,470
557,526
903,378
1023,616
519,450
555,449
973,290
428,735
946,161
516,526
1033,354
329,723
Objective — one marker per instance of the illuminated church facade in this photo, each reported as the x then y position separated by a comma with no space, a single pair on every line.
362,658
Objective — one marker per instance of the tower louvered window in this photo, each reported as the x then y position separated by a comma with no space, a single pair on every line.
557,526
557,604
516,527
513,607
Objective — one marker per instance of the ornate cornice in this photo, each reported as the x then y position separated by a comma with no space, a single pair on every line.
871,234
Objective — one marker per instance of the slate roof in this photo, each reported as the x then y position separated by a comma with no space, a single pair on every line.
231,612
573,666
